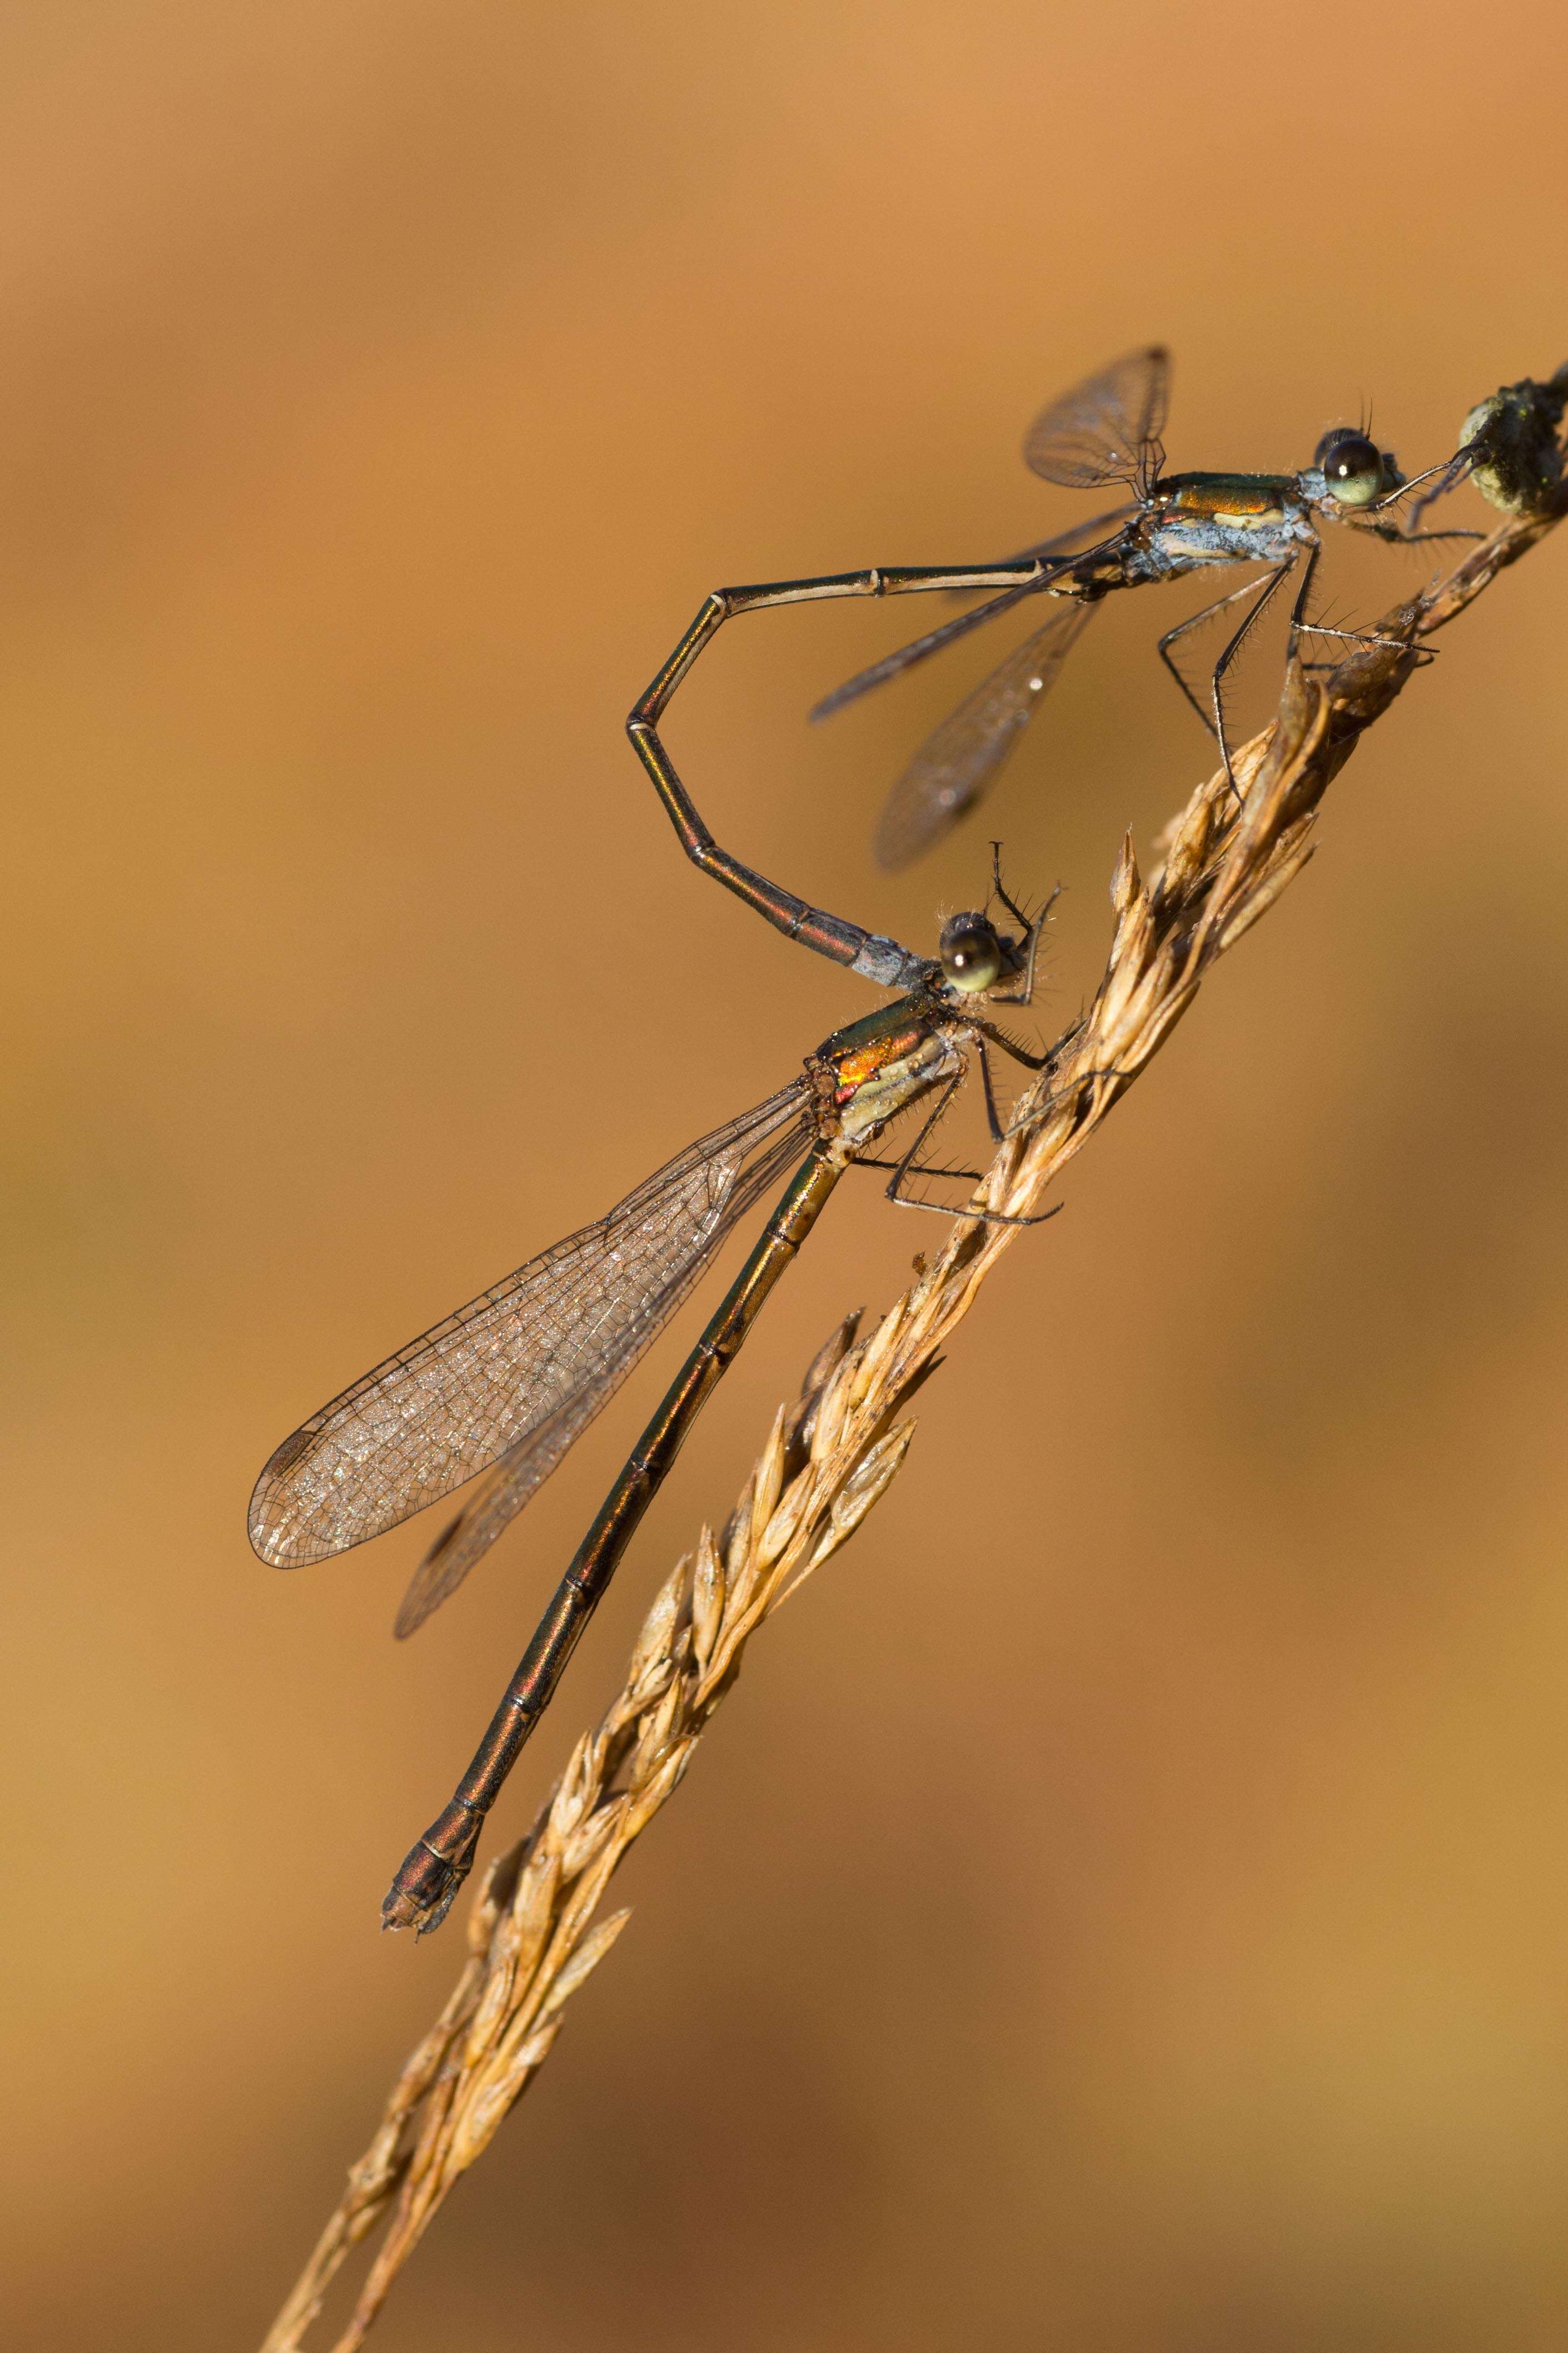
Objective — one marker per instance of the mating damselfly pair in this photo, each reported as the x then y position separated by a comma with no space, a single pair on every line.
505,1385
500,1390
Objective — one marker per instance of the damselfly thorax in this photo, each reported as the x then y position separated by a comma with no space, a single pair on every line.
498,1392
1106,432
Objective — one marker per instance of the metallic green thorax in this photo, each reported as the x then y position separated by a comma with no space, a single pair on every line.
1227,494
870,1071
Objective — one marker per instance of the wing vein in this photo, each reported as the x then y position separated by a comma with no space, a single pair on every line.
529,1361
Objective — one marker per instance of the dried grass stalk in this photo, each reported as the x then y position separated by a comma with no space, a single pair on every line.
534,1935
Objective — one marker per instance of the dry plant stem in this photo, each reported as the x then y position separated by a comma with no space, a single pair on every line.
533,1935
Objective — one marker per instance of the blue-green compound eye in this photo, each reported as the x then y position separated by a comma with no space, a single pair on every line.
971,954
1351,466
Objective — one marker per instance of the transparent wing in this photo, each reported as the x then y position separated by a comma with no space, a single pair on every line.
1067,545
964,758
528,1362
920,648
1108,428
1074,543
496,1502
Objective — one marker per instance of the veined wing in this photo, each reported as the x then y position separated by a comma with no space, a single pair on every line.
966,755
542,1351
1108,428
1068,545
497,1501
1075,542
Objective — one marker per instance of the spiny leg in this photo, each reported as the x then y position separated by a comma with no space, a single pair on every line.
999,890
993,1117
1445,475
1397,536
910,1166
1075,1086
1033,932
1302,627
1185,628
1033,926
909,1163
1008,1045
1229,655
981,1217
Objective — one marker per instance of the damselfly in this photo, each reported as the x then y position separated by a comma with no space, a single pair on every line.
507,1383
1107,431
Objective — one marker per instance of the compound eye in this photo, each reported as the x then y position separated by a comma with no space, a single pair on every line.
971,954
1351,466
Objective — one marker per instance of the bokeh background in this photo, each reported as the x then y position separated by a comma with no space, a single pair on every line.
1122,1907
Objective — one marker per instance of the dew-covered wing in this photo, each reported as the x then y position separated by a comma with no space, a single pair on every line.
1108,428
964,757
529,1361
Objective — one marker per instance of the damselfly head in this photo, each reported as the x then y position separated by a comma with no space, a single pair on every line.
1355,469
974,956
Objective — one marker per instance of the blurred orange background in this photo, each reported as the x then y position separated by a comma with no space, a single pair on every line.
1121,1907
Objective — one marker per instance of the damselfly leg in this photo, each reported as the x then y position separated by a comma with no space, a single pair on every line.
857,1083
499,1391
505,1386
1105,431
1262,594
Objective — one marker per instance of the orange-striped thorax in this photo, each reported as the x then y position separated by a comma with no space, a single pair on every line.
869,1072
1229,498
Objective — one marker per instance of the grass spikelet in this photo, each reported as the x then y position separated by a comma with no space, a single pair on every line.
534,1938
